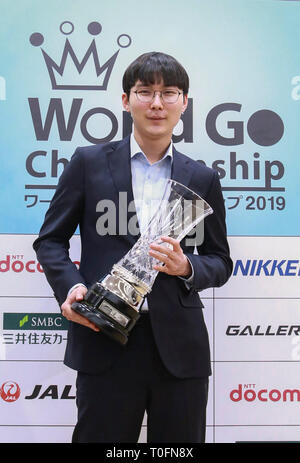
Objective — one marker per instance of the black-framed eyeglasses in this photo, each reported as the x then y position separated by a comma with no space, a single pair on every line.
167,96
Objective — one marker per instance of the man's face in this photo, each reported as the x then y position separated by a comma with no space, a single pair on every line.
155,119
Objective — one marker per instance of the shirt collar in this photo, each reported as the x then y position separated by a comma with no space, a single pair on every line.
135,149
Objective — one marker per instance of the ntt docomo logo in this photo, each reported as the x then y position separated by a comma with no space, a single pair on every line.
249,393
17,264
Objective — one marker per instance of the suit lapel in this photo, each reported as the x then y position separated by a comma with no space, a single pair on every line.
120,169
181,171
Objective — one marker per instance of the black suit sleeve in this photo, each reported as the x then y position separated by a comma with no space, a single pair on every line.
212,265
61,220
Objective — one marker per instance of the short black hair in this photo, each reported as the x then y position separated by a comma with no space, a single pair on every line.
153,67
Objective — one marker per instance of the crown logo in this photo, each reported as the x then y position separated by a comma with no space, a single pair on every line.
73,74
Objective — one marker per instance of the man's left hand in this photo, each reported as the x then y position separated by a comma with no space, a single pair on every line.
174,260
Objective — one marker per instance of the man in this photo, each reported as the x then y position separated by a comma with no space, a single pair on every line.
165,365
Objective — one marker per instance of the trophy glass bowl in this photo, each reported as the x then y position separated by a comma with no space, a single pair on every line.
113,303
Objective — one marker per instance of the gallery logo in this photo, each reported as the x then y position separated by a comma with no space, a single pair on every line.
10,391
259,330
75,74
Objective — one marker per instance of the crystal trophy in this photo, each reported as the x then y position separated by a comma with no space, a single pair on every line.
113,303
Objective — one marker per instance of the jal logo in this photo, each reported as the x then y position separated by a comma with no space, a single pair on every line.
51,392
10,391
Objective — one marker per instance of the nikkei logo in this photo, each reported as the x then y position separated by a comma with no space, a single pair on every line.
267,267
87,74
10,391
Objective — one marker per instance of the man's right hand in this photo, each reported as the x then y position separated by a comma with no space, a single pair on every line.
76,296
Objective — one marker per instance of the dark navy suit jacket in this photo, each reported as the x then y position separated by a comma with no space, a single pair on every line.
101,172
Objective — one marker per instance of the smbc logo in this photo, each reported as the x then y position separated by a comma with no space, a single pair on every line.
34,321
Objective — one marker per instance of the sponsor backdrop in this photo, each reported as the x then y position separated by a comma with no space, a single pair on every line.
60,87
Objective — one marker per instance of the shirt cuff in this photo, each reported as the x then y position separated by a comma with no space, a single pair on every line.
189,281
75,286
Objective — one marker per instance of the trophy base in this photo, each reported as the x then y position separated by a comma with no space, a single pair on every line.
104,324
107,311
